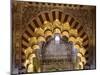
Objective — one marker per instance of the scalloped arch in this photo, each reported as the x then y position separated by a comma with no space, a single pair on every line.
51,16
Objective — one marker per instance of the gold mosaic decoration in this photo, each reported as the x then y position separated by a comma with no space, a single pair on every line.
49,29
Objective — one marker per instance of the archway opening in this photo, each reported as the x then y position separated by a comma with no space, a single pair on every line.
61,38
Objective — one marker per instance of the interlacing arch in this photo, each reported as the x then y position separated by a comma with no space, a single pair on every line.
32,38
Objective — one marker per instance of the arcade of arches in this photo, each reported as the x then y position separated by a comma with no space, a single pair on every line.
51,39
